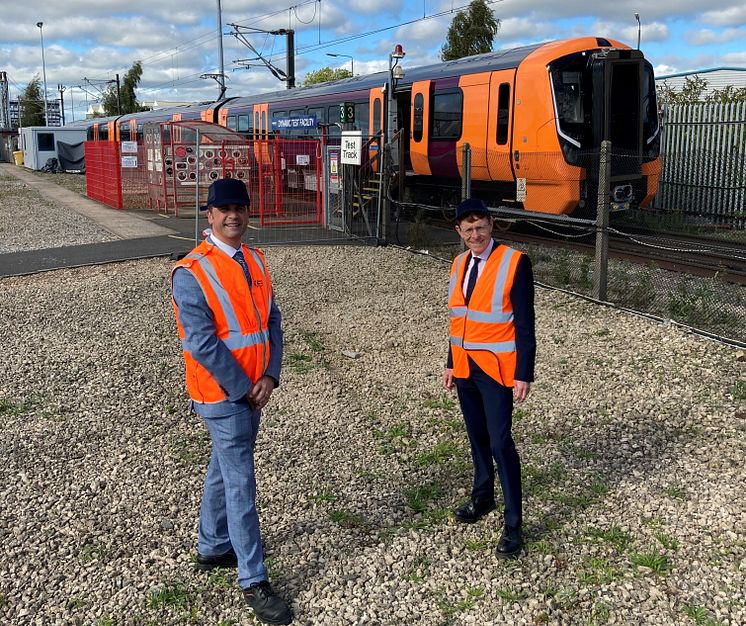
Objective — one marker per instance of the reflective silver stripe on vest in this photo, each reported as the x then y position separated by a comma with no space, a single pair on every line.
500,346
496,315
236,339
457,311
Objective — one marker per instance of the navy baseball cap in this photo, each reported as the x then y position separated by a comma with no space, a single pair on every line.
225,191
471,205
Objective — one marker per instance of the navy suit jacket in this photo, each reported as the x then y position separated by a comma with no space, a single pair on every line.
522,299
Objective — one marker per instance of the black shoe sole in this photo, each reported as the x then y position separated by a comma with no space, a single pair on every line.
206,567
473,520
509,555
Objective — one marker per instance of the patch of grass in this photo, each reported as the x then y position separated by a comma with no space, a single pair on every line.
174,595
76,602
700,615
443,403
300,363
442,452
192,449
323,496
476,545
738,390
654,561
540,547
427,520
669,543
419,570
510,596
598,571
599,487
539,439
584,453
107,620
8,408
613,535
600,614
651,522
347,519
602,332
92,552
218,579
519,414
675,491
418,498
313,341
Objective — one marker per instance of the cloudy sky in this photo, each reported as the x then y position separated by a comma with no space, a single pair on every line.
177,40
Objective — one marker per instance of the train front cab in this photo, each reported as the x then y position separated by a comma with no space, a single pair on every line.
569,97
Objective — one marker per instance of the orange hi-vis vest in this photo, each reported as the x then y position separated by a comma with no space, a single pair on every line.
240,314
484,330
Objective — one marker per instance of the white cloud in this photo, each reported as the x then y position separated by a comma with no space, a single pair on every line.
706,36
730,16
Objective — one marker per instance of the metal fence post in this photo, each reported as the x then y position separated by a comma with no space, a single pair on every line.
466,166
600,274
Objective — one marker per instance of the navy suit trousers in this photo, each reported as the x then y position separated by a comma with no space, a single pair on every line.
488,412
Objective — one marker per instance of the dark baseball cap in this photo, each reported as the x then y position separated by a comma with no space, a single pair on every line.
225,191
471,205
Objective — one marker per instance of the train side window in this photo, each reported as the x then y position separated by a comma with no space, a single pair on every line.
334,117
419,117
446,116
139,136
376,116
503,113
89,133
243,123
264,125
231,122
362,111
103,132
256,125
318,113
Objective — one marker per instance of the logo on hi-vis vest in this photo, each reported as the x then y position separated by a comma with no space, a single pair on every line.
257,283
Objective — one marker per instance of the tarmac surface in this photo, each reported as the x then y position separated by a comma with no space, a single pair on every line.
141,234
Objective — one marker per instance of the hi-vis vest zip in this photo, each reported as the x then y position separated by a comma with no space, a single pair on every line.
484,330
240,313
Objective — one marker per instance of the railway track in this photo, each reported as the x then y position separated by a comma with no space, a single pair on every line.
685,254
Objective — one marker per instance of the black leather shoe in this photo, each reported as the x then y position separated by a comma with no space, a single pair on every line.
510,544
473,511
269,608
206,563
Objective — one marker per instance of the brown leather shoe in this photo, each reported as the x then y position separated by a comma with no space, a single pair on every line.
473,511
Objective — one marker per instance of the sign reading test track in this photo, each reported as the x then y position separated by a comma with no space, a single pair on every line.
352,147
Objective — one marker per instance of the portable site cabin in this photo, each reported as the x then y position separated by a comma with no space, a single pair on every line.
40,143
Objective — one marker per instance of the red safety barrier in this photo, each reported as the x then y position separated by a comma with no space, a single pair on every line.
102,172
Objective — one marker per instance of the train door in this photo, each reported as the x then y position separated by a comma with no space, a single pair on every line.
420,127
376,112
476,100
112,133
499,125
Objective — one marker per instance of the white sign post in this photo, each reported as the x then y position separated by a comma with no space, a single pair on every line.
352,147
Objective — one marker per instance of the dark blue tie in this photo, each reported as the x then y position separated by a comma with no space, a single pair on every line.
472,278
238,257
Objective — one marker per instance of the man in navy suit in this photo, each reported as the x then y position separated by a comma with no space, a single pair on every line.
491,363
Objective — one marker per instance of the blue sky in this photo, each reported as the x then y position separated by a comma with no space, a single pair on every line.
177,39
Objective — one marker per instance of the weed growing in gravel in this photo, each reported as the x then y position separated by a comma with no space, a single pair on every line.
300,363
602,332
669,543
76,602
510,596
654,561
192,448
539,439
174,595
313,341
600,614
323,496
94,552
107,620
700,615
614,535
519,414
676,492
347,519
651,522
443,402
540,547
418,498
441,453
227,622
598,572
8,408
218,579
419,570
738,390
476,545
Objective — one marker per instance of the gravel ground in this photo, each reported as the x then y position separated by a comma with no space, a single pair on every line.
632,444
29,221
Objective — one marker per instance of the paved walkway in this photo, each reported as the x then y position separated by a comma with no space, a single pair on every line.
140,236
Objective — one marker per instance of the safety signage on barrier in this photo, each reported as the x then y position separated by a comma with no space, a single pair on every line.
129,161
286,123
